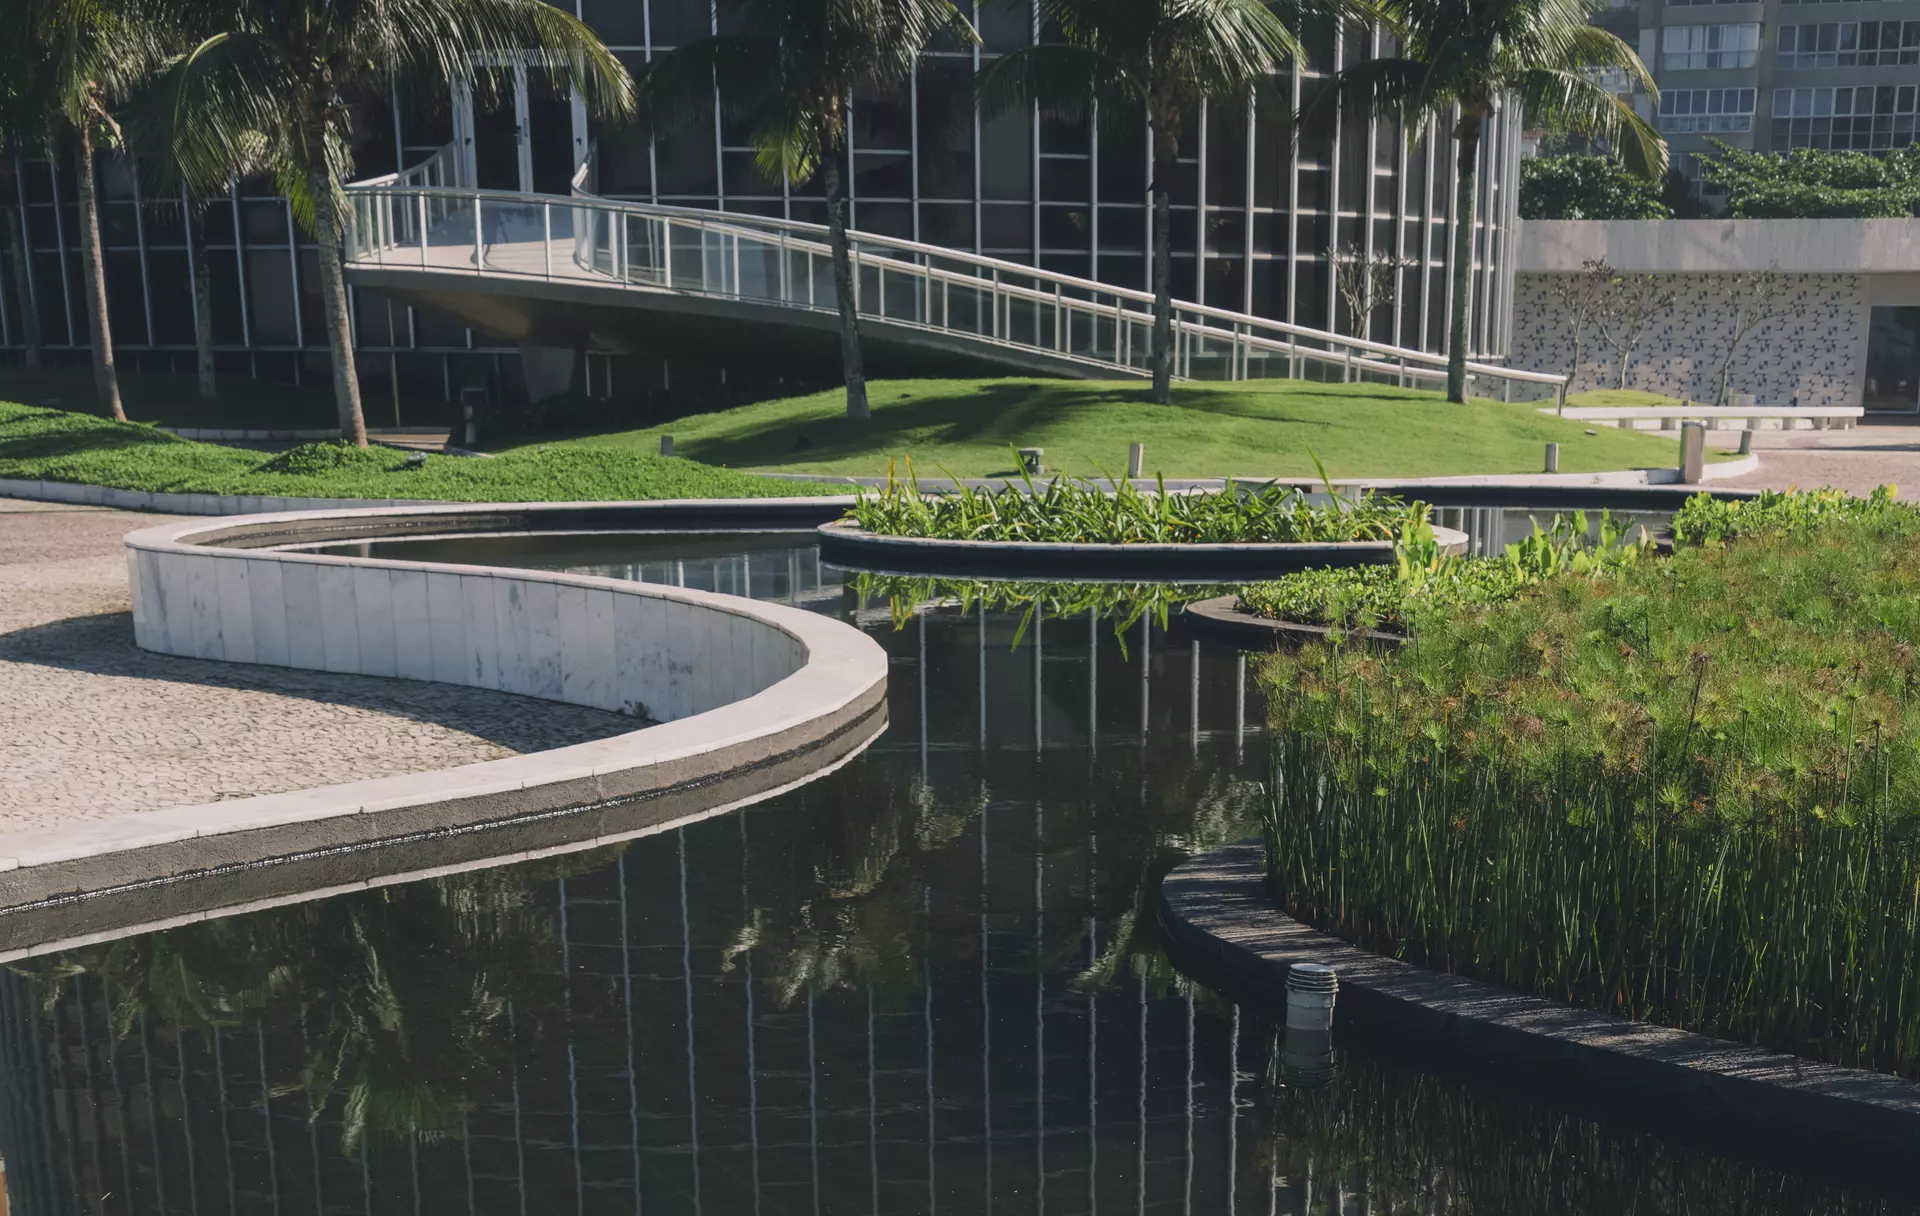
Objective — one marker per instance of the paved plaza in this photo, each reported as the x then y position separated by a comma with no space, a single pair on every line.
1882,450
91,726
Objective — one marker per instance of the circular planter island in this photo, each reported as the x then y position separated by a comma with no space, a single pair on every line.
844,543
1222,620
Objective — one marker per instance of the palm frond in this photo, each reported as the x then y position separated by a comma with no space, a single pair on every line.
1573,102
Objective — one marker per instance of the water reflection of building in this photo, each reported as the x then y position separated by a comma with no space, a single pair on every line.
932,909
955,1059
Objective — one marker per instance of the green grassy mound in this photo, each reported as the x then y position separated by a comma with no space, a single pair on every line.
51,445
1267,428
1682,790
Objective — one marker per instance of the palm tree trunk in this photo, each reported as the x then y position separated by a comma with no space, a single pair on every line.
23,287
195,218
1468,133
851,362
1165,149
333,290
106,385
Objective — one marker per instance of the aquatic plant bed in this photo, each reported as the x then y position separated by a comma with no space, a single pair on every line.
1220,924
1682,791
57,446
1077,511
1421,576
1066,528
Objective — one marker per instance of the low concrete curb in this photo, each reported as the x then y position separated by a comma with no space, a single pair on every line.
846,544
1220,620
753,698
1219,922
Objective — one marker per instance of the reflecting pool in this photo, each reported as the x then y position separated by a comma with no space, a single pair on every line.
927,982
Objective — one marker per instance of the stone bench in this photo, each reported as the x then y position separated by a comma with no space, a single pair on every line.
1750,417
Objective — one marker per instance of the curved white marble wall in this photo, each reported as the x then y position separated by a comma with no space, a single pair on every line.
659,653
737,700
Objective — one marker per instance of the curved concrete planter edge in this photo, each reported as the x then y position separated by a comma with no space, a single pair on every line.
1221,926
846,544
751,698
1220,620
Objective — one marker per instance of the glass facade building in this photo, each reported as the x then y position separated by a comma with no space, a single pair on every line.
1259,215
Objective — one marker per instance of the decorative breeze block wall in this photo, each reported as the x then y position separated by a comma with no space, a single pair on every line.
1816,358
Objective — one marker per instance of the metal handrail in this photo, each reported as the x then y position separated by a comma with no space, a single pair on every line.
637,244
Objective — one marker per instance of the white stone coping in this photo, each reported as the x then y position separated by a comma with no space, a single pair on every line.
1623,480
729,678
1817,417
1722,246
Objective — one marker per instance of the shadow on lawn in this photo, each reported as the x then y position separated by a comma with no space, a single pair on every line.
1002,412
82,443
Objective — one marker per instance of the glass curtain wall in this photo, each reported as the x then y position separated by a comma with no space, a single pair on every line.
1260,219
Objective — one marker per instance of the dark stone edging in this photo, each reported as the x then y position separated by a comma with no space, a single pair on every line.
1217,920
1221,620
849,546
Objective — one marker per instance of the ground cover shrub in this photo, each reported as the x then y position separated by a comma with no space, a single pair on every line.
53,445
1078,511
1709,520
1392,596
1684,791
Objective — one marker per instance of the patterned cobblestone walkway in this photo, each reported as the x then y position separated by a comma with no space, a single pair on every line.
91,726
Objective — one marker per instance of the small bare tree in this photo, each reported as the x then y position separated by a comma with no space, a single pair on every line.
1366,284
1580,298
1630,306
1753,298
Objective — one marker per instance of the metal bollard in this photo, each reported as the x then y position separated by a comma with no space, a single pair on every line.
1553,458
1746,442
1311,989
666,445
1136,459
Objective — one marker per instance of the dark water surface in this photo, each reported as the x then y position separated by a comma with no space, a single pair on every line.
927,982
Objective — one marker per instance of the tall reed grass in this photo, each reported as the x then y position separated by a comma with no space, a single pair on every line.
1421,575
1684,791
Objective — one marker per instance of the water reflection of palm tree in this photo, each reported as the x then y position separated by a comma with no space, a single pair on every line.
401,994
856,911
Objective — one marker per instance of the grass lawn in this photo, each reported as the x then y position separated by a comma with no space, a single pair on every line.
1260,428
52,445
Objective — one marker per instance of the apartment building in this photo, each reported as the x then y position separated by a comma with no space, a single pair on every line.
1777,74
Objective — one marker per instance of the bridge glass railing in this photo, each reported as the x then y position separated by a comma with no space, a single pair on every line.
898,282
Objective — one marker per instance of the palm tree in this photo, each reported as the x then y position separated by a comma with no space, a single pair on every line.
1168,56
274,88
787,71
1460,58
72,62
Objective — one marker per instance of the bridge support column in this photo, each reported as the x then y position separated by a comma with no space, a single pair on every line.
549,370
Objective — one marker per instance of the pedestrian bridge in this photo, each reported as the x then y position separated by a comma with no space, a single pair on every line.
603,274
